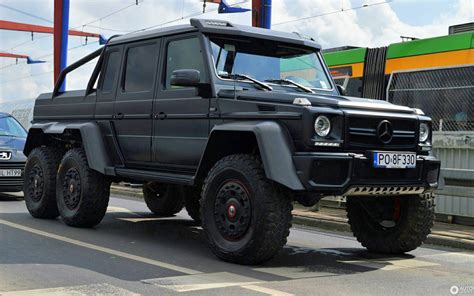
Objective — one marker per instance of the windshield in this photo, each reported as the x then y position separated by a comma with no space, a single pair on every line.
11,128
268,61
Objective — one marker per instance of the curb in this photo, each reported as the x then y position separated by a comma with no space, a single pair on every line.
330,225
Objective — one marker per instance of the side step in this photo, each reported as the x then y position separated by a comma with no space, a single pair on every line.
141,175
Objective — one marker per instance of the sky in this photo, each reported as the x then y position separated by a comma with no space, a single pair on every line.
332,23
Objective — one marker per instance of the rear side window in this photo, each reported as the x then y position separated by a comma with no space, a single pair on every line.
140,68
184,54
113,64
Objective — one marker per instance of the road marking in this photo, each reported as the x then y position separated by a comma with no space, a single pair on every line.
95,289
203,281
390,263
268,291
135,220
111,209
297,272
101,249
453,257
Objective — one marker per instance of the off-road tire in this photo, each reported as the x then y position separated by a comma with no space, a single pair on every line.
85,203
270,218
163,199
41,165
192,202
416,221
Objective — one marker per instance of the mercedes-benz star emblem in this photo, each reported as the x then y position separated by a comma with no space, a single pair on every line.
385,131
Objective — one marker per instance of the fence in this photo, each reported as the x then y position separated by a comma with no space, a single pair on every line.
447,95
21,110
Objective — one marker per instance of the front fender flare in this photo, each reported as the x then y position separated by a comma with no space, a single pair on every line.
275,147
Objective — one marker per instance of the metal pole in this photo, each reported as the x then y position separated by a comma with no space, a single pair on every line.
266,14
61,28
262,13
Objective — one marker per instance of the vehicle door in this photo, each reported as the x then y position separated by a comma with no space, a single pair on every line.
106,92
134,101
181,125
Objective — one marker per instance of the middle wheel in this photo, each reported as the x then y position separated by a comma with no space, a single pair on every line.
82,194
163,199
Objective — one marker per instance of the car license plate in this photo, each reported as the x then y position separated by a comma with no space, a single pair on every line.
394,160
10,173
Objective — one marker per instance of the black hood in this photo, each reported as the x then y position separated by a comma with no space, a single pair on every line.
317,100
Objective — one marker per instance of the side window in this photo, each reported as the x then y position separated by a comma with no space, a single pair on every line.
140,68
184,54
113,65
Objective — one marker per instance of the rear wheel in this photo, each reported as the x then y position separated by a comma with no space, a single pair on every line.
246,217
40,182
192,202
391,225
163,199
82,193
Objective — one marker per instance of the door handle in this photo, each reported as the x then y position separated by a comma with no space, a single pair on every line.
119,116
161,116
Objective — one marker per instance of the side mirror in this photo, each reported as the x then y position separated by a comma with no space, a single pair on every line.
185,77
341,89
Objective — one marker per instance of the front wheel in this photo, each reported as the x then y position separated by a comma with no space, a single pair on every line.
245,216
391,225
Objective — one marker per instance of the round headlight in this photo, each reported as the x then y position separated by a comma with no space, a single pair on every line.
424,132
322,126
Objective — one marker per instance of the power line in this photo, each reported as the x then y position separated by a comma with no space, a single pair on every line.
182,18
26,13
83,25
49,54
135,3
332,12
39,74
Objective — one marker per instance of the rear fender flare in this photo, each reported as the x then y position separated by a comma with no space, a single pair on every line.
92,141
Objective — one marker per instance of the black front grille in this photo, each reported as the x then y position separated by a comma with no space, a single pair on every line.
362,134
11,182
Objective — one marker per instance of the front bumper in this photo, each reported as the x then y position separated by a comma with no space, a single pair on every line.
11,184
351,173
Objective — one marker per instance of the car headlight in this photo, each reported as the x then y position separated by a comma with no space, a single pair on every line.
424,132
322,126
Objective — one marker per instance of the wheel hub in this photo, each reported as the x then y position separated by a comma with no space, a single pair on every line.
36,181
232,210
72,188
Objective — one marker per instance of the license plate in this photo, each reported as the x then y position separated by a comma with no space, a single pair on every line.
394,160
10,173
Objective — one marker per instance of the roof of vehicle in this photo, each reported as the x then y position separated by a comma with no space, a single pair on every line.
218,27
3,114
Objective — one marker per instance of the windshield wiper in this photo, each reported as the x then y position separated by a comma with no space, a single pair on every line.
243,76
288,81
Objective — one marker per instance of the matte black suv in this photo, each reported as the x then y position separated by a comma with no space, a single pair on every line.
234,123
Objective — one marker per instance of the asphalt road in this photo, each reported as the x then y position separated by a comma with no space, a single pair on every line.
133,252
